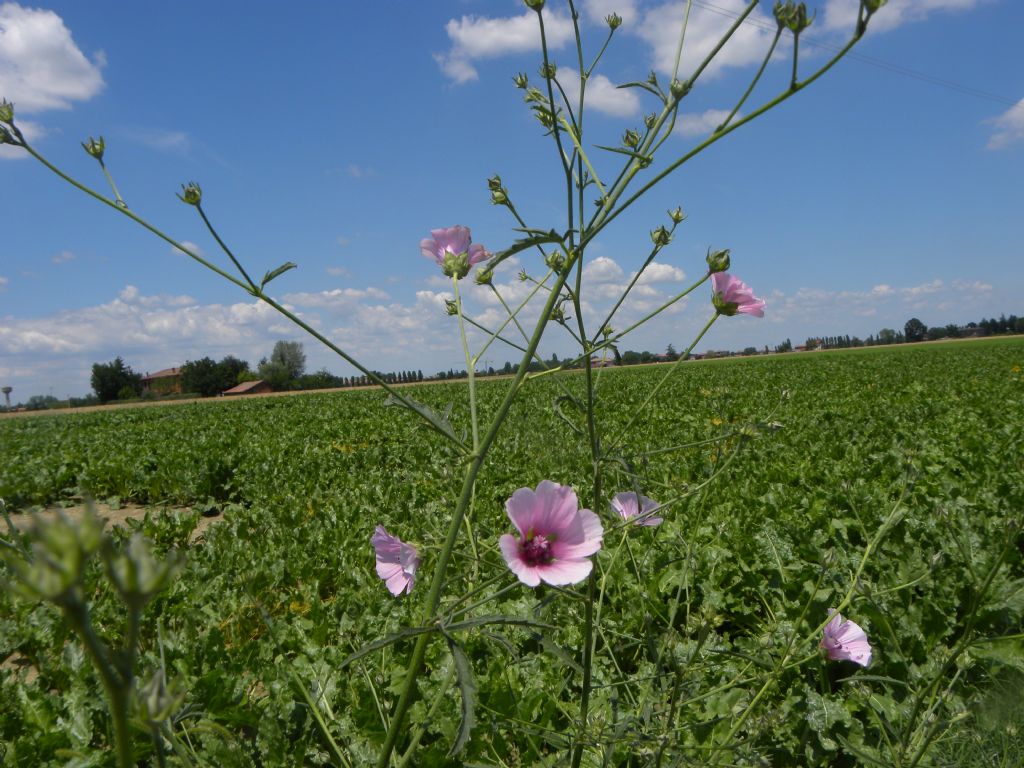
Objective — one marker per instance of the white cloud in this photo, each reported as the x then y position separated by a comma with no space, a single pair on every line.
701,124
602,95
177,142
190,245
359,172
41,67
842,14
602,270
3,282
480,37
1009,127
338,298
63,257
707,23
882,290
924,289
658,272
972,286
338,272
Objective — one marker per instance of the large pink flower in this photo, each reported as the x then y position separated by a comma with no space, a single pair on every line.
452,250
842,639
731,295
636,508
555,536
396,561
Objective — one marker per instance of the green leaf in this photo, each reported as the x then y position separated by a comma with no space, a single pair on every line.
481,621
438,422
467,687
277,272
384,642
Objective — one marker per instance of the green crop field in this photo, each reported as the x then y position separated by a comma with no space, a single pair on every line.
794,473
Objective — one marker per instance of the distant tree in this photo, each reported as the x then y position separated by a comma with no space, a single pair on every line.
750,351
937,332
110,380
887,336
201,377
231,369
953,331
291,355
670,351
1019,325
915,330
277,376
41,402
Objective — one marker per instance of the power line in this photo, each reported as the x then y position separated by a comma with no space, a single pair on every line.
875,62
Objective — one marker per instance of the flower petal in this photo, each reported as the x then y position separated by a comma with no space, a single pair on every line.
561,572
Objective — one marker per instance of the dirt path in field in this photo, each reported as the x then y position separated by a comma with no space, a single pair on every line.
114,517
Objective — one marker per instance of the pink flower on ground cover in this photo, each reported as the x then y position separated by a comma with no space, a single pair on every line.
452,250
631,505
731,295
556,537
842,639
396,561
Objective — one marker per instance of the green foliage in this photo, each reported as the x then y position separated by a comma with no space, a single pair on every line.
697,614
114,381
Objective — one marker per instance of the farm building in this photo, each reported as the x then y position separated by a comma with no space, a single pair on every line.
165,382
258,387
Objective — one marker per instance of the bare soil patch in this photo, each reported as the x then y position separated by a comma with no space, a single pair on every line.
118,516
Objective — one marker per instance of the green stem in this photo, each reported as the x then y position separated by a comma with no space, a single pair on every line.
224,247
470,367
753,83
110,180
440,567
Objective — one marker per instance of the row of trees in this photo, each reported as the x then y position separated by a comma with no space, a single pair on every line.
914,330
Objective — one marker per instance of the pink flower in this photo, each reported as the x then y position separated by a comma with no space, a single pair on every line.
842,639
396,561
451,249
555,536
631,505
731,295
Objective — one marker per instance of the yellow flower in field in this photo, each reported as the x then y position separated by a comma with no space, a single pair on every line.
1015,369
716,422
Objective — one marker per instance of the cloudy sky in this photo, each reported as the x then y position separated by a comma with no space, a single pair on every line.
337,135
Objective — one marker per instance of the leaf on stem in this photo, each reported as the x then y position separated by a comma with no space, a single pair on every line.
277,272
468,690
438,421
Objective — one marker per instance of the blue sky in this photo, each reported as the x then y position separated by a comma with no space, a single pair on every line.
338,134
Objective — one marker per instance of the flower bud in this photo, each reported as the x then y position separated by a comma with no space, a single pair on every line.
558,315
94,147
661,237
499,197
484,276
547,71
136,574
521,80
555,261
5,136
6,111
534,95
613,20
677,215
191,193
451,308
523,277
631,139
456,264
155,701
652,78
537,5
650,120
494,183
679,89
871,6
718,261
607,331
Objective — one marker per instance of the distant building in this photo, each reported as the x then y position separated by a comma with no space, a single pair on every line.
597,362
165,382
258,387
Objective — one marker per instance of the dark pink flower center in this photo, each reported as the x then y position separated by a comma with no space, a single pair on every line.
537,550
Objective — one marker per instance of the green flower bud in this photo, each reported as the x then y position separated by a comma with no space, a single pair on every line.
544,117
136,574
5,136
555,261
451,308
718,261
537,5
679,89
59,554
484,276
652,78
191,193
499,197
456,264
535,95
523,277
521,80
94,147
631,139
871,6
613,20
661,237
6,111
677,215
494,183
607,331
558,315
155,701
547,71
650,120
